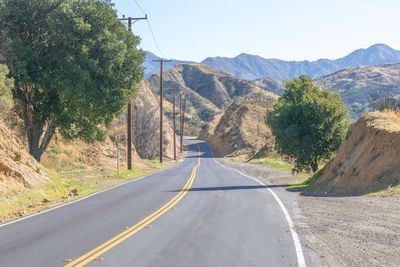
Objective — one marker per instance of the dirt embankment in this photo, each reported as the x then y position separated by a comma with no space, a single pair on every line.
17,168
368,160
242,129
146,118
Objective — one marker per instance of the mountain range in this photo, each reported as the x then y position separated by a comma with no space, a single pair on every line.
252,67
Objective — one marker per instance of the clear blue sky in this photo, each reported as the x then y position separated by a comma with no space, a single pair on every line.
285,29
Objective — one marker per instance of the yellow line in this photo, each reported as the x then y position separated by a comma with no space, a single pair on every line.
101,249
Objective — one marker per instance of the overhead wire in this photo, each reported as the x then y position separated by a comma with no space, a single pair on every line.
151,30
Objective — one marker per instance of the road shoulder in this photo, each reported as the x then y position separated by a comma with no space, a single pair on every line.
336,231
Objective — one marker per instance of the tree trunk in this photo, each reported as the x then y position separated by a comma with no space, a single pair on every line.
38,143
314,165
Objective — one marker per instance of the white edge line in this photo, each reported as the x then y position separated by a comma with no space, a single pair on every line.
299,251
88,196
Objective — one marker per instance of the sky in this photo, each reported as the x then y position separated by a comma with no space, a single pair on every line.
284,29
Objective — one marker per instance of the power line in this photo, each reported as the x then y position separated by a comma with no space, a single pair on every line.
155,40
139,6
151,30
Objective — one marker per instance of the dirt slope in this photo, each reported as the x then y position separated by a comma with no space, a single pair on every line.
17,168
209,91
146,118
242,129
369,159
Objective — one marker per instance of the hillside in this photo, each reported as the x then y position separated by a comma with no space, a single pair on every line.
360,87
17,168
208,90
368,160
146,122
252,67
242,129
271,85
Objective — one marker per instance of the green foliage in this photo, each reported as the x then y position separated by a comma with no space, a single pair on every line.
6,86
387,103
74,65
206,114
309,123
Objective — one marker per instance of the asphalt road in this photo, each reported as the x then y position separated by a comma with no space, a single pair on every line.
197,213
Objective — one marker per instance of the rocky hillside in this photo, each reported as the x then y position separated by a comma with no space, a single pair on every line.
146,122
368,160
271,85
360,87
17,168
209,91
242,129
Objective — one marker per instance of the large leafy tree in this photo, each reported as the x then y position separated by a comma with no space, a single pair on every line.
74,66
309,123
6,85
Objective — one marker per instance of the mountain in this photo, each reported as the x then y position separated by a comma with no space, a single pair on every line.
151,67
361,87
253,67
210,91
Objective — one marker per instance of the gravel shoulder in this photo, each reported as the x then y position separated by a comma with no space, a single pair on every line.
337,231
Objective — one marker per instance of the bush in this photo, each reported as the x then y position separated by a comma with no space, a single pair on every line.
387,103
206,114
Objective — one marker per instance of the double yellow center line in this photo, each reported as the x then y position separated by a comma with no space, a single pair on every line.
118,239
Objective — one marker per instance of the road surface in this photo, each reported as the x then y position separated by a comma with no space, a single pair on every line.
197,213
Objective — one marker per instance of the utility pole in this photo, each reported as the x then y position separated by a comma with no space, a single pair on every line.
161,104
129,111
183,120
180,120
173,121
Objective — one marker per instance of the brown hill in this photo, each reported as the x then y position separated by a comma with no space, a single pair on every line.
210,91
17,168
369,159
242,129
360,87
146,121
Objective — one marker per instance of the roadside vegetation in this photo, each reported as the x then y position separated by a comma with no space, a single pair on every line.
66,186
67,70
309,124
74,66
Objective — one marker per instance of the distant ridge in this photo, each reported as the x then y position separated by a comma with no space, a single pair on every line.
253,67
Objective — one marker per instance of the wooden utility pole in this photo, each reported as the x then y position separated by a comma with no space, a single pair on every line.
180,120
173,121
129,111
161,104
183,120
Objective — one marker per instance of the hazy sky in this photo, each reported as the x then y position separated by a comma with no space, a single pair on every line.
285,29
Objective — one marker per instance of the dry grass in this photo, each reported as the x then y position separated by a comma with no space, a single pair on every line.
388,120
85,181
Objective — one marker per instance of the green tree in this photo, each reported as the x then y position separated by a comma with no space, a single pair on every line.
309,123
6,86
74,66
